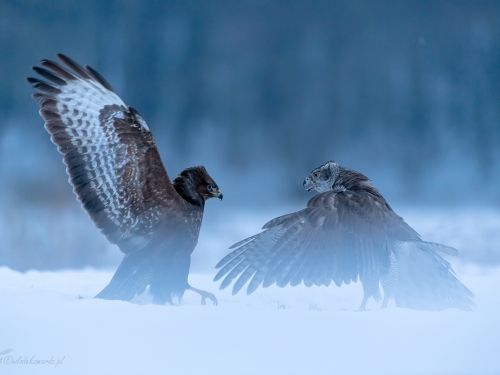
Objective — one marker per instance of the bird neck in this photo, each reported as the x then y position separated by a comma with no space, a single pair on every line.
185,188
352,180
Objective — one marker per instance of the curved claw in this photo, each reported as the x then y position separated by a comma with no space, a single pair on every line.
211,297
204,295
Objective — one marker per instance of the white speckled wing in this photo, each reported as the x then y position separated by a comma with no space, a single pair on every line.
111,157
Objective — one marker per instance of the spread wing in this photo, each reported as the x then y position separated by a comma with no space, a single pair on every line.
339,237
111,156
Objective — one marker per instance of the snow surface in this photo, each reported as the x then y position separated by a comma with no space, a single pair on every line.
315,330
273,331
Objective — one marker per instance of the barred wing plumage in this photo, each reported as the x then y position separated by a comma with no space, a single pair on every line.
339,237
111,156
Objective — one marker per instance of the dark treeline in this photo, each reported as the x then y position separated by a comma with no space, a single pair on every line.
260,92
408,92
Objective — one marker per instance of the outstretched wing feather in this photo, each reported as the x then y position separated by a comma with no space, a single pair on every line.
111,156
339,237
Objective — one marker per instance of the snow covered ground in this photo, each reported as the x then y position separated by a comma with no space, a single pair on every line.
315,330
274,331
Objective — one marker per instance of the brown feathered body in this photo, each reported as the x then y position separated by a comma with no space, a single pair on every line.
163,264
348,232
118,176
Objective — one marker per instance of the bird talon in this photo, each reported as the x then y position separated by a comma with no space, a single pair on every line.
204,295
211,297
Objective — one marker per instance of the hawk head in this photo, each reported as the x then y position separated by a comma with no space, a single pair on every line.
196,182
210,190
323,178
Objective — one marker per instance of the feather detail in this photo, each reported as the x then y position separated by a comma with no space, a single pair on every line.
347,233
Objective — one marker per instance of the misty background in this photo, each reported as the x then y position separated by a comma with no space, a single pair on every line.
261,92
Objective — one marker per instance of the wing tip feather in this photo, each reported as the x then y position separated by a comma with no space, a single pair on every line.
99,78
243,242
77,68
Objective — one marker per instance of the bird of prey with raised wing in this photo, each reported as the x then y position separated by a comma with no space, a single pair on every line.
118,176
347,232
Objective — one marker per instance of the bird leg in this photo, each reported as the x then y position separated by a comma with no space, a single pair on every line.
362,307
389,279
366,295
385,301
204,295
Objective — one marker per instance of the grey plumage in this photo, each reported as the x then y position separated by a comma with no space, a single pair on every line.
348,232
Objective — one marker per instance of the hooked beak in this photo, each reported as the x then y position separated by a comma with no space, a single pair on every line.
308,185
219,195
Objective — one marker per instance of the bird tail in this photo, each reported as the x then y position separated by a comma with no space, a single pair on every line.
131,278
166,277
426,281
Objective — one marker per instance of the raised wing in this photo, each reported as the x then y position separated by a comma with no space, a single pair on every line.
339,237
110,154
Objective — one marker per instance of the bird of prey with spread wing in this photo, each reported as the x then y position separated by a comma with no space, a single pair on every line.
347,232
118,176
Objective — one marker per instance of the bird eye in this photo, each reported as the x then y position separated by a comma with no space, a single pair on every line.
210,187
